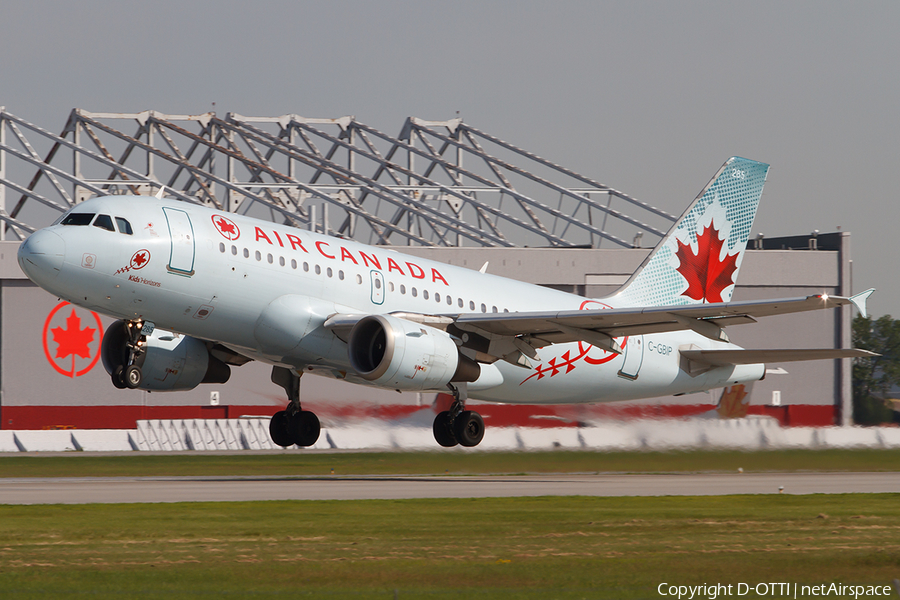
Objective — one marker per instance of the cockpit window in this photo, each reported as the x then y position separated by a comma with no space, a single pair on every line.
78,219
124,226
104,222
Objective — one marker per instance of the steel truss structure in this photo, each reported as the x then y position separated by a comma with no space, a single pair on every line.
441,183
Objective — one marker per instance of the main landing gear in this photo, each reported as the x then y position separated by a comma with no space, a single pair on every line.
292,425
128,375
457,425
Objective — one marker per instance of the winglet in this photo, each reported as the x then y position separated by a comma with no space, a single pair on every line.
859,301
159,194
483,268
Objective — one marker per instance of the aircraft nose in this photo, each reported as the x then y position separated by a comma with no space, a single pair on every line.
41,256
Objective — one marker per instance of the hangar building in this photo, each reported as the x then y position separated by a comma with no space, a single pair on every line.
441,190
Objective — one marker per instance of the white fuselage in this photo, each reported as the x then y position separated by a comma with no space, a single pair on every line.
215,275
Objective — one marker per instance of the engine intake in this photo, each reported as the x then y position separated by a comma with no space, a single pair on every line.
403,355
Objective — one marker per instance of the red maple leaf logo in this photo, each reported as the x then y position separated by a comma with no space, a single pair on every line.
732,405
706,275
226,227
138,261
73,339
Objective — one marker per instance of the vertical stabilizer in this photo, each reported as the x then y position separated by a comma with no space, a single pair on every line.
699,258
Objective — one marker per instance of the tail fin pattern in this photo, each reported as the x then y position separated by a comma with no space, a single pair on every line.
699,258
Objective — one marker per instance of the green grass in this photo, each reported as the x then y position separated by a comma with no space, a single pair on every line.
301,463
527,548
478,548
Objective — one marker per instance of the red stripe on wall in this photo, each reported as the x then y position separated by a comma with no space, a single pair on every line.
495,415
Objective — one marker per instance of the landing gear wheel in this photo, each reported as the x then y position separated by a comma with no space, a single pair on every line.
132,377
468,428
443,431
304,428
118,379
278,429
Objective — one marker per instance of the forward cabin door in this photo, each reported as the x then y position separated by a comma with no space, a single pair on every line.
181,232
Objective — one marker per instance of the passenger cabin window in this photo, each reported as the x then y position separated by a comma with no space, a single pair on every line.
79,219
104,222
124,226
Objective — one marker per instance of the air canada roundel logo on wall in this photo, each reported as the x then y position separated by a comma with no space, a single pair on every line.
72,338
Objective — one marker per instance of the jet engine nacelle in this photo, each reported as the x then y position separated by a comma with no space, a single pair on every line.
168,361
403,355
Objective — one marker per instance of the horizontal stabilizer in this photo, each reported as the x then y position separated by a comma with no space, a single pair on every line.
721,358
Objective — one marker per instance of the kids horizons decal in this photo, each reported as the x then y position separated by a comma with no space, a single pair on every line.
138,261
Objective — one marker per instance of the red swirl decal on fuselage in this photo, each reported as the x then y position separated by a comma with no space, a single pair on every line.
566,363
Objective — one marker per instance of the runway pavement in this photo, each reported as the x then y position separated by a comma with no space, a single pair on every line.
223,489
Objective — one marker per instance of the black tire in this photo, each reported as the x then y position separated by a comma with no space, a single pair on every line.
118,379
305,428
278,429
468,428
443,432
132,377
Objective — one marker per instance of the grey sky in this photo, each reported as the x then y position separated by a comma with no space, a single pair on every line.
648,97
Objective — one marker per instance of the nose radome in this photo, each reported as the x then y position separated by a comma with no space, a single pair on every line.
41,256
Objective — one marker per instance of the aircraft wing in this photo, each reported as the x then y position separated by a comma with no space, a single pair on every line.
530,330
515,336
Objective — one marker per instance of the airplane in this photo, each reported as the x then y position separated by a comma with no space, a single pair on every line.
197,291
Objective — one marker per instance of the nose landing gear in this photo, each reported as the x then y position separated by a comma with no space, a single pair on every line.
292,425
457,425
128,375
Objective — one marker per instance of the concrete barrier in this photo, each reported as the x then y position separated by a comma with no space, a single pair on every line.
253,434
69,440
